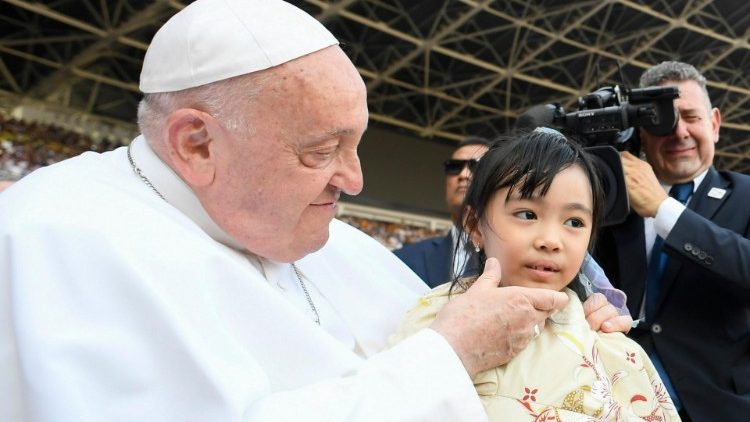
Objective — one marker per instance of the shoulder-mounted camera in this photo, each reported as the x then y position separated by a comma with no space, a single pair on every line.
605,123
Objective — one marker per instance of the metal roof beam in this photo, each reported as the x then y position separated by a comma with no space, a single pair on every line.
509,74
380,26
9,77
93,52
75,71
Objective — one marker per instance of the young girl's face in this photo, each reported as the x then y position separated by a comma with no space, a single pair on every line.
541,241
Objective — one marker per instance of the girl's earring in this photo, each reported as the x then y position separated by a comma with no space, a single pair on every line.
477,249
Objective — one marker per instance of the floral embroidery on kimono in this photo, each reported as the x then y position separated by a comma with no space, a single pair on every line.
568,373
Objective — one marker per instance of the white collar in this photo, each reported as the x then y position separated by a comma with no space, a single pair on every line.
696,182
177,193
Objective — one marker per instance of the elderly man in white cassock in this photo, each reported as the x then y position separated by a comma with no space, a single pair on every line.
198,274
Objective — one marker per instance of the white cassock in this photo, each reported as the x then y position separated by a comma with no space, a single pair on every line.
116,305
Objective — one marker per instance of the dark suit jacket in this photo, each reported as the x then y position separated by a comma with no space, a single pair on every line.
432,260
701,327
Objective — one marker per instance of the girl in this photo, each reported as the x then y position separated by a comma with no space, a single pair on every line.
534,204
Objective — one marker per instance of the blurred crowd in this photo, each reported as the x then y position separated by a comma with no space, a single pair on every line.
392,235
26,146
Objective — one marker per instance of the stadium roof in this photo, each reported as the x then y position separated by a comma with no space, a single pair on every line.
436,69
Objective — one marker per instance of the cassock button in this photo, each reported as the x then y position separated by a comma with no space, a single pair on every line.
688,247
709,260
702,256
656,328
695,251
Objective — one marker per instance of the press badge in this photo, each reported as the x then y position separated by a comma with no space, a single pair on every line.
716,193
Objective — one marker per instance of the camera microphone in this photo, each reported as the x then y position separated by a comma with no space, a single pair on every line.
537,116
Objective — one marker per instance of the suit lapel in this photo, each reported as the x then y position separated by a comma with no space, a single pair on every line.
708,205
703,205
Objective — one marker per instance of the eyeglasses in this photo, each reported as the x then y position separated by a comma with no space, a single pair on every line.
453,167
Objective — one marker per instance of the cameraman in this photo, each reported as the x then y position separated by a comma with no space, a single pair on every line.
686,268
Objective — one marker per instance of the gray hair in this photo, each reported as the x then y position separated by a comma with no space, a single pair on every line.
226,100
671,71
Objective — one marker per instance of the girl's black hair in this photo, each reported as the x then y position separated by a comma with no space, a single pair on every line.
525,163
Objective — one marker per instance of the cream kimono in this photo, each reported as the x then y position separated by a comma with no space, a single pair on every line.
568,373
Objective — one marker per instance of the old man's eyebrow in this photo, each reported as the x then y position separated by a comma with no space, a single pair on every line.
336,132
331,134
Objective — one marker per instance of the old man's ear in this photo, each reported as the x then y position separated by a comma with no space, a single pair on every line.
189,145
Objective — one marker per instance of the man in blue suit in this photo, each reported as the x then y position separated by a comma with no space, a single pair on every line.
432,259
686,268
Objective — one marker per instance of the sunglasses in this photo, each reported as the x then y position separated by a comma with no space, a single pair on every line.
453,167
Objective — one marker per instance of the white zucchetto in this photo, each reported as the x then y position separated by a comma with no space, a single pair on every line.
212,40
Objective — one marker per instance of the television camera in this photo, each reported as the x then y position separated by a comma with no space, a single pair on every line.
605,123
